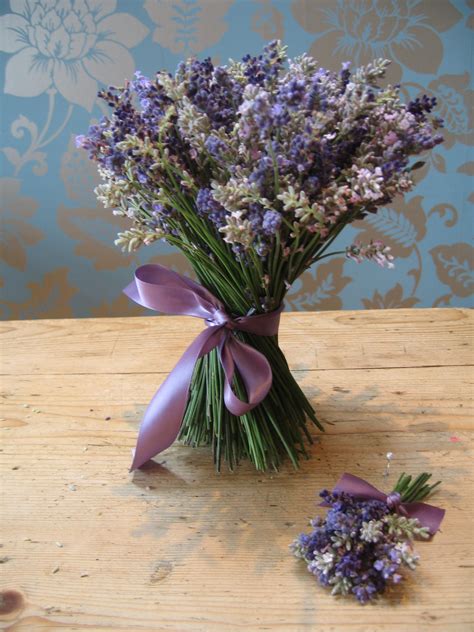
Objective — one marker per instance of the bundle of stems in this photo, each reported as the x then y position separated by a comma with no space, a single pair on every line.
278,426
414,490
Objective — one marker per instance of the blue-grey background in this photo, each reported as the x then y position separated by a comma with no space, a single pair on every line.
58,257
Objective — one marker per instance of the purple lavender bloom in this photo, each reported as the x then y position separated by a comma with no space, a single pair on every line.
364,592
280,115
271,222
142,177
215,146
418,107
293,92
345,74
212,90
266,67
209,208
80,140
263,176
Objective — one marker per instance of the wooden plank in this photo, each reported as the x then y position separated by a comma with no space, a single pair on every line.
372,400
177,547
326,340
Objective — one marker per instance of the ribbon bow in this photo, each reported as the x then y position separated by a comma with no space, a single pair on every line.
160,289
428,515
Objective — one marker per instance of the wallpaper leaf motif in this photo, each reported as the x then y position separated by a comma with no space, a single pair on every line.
361,30
31,154
391,300
443,209
50,298
78,173
466,168
320,287
455,106
439,162
399,227
470,17
454,267
95,230
121,305
17,232
188,26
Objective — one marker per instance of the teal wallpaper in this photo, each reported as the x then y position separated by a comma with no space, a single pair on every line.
58,257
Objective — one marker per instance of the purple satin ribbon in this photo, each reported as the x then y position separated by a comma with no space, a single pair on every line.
163,290
428,515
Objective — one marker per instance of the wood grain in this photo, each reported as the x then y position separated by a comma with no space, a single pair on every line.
87,546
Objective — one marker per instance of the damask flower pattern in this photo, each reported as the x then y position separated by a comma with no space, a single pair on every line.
406,31
68,48
70,45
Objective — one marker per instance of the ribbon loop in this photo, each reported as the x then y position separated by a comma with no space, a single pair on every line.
428,515
160,289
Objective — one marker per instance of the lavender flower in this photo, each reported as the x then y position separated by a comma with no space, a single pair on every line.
271,222
375,251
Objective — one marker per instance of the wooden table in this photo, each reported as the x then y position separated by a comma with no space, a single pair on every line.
88,546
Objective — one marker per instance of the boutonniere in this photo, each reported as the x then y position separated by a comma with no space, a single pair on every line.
366,539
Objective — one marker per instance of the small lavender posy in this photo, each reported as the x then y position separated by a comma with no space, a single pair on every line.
362,546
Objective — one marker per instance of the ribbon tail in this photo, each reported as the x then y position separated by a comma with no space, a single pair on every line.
164,415
254,369
428,515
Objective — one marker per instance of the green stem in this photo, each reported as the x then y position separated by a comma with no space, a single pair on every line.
414,490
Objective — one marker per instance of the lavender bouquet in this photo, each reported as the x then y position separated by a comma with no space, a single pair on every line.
252,170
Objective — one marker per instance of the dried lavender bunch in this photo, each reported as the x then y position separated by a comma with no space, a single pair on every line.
252,170
362,546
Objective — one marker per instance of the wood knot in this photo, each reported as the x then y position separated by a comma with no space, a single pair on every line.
11,601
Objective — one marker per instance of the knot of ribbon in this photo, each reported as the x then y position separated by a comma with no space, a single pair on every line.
427,515
394,501
164,290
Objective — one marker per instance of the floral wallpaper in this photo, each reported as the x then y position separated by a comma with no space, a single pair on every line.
57,252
